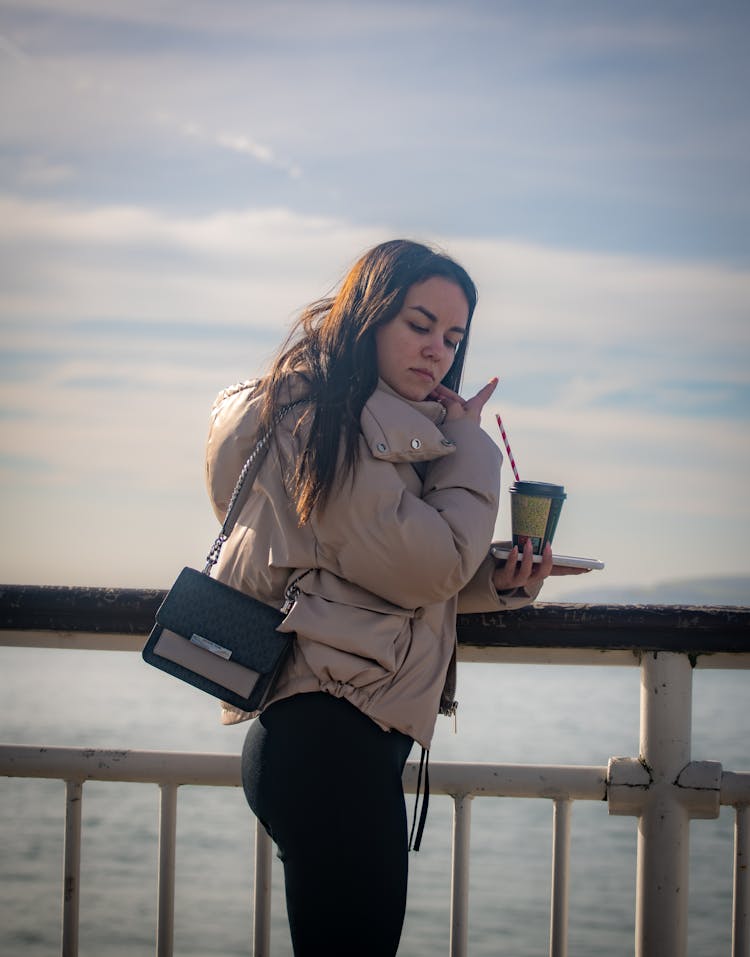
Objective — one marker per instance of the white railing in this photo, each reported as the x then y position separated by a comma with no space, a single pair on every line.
170,770
663,787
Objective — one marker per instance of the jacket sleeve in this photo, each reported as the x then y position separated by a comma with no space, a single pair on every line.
480,594
231,437
411,550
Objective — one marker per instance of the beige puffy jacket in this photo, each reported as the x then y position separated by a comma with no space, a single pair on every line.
395,553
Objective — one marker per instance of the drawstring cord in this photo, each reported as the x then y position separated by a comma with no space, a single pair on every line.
424,762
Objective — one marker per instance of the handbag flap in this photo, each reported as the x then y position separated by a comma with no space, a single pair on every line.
228,674
207,611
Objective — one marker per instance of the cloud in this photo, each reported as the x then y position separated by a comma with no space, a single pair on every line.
252,267
184,235
38,171
121,323
596,332
10,50
234,142
667,317
264,154
578,329
606,128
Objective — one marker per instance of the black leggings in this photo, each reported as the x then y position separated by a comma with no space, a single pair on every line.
325,781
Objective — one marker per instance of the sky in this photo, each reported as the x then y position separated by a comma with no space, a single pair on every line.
178,179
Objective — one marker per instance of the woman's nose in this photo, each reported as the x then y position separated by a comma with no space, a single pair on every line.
434,348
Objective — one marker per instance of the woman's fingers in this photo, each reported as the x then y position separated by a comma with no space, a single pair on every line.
515,573
459,408
504,574
483,395
519,568
443,394
544,568
526,568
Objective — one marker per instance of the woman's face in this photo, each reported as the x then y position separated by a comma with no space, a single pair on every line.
417,347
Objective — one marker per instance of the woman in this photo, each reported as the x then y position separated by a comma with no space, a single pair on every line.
376,503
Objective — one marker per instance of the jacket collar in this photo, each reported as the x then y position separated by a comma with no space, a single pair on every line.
395,429
399,430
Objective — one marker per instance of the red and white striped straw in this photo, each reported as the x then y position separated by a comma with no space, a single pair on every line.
507,447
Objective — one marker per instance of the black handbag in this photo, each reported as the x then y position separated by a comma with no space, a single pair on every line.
217,638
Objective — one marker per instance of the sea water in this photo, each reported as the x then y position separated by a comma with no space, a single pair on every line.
508,714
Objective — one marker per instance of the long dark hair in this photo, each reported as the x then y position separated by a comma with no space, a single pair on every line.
333,344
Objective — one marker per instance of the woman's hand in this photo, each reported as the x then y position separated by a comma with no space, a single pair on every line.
513,573
458,408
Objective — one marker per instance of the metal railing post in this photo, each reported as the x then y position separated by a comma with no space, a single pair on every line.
558,934
166,874
461,852
72,868
741,909
262,892
664,822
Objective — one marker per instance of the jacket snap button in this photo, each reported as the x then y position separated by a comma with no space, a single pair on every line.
448,442
416,444
382,447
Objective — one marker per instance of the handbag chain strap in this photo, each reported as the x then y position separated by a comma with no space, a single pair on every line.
242,489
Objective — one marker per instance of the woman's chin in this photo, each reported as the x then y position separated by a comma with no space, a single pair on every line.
416,391
415,394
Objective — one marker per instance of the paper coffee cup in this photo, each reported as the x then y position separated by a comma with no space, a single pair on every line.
534,511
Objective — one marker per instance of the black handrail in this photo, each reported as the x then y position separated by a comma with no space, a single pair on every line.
685,628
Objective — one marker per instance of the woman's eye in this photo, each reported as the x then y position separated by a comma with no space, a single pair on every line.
452,345
417,328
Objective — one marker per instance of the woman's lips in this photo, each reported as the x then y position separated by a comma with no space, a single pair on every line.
425,374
